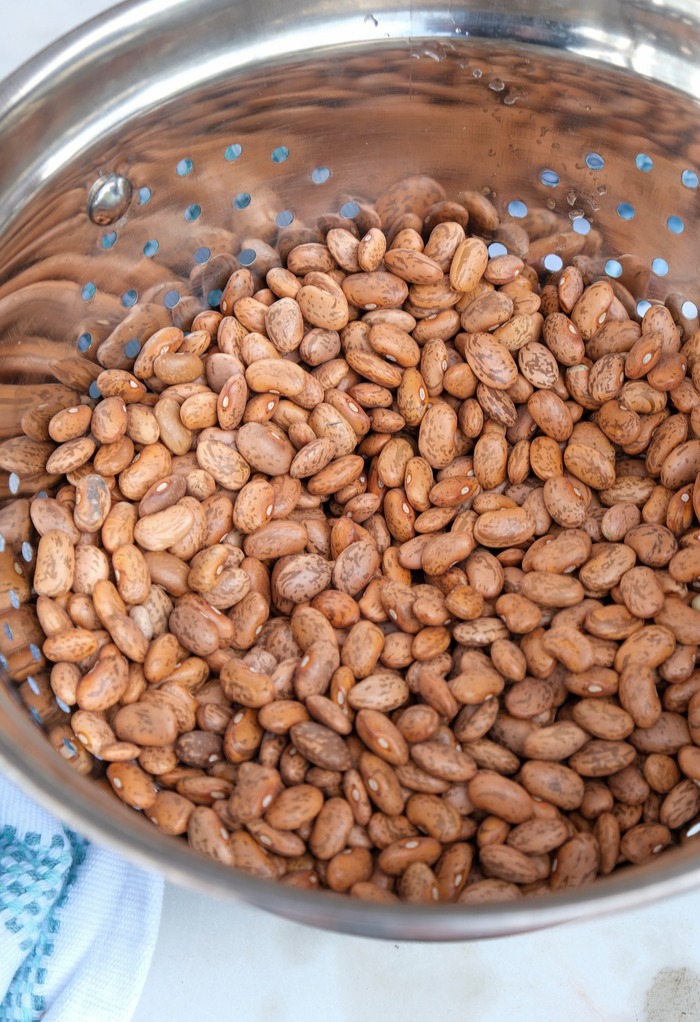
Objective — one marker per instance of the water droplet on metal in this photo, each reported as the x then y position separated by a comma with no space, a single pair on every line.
513,95
109,198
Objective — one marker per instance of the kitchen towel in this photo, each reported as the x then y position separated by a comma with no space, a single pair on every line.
78,925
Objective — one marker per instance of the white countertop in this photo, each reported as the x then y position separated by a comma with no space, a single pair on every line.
224,961
217,960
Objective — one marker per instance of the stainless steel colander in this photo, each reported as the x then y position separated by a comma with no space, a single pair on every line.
144,151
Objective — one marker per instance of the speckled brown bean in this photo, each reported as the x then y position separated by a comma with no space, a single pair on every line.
147,724
681,804
331,829
104,685
576,862
132,785
607,833
382,785
398,856
207,835
434,817
537,836
321,746
71,645
131,573
501,796
375,290
555,742
507,863
590,311
552,590
488,891
418,885
294,807
553,782
469,261
171,812
300,577
349,867
383,691
436,438
643,843
599,758
55,564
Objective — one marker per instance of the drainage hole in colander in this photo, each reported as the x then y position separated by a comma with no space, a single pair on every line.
660,267
625,210
132,348
94,390
88,291
594,161
320,175
644,162
517,209
675,225
193,212
84,342
184,167
171,298
232,152
214,297
497,249
13,482
144,195
109,240
285,218
553,262
150,248
643,306
349,209
129,298
689,178
27,552
202,255
242,200
549,177
689,310
580,225
280,154
613,268
247,257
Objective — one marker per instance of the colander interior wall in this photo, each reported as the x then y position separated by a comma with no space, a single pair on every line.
236,124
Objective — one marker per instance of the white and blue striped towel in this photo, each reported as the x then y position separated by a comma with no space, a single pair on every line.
78,924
